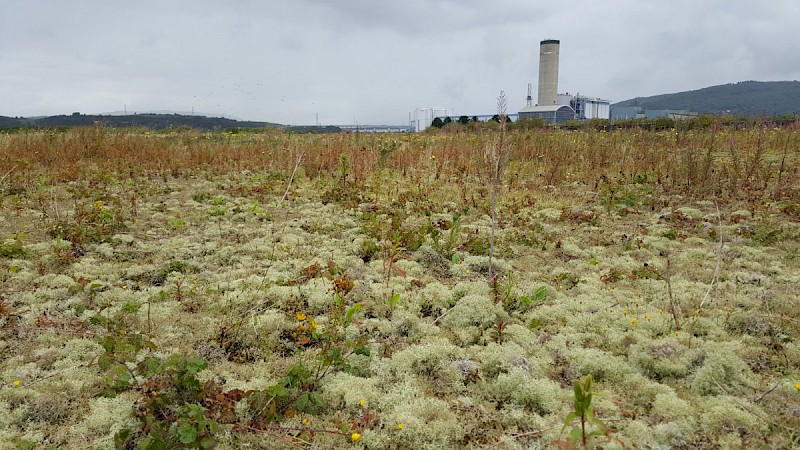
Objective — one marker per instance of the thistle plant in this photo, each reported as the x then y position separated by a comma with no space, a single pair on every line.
497,157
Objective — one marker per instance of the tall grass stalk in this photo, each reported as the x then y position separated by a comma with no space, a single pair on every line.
498,158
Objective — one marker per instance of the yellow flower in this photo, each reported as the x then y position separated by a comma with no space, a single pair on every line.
677,332
304,421
16,383
355,437
633,320
625,313
362,402
313,324
660,311
400,425
433,156
797,386
647,317
300,316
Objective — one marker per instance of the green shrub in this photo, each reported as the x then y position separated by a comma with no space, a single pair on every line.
13,246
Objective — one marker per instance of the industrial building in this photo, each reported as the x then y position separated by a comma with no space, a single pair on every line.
558,108
639,112
422,118
551,106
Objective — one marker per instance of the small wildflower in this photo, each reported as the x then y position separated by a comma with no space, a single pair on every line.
304,421
313,324
355,437
400,425
561,286
301,317
625,313
362,402
660,310
433,156
633,320
797,386
647,317
677,332
16,383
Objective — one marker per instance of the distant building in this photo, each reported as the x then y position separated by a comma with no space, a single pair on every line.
422,118
555,114
627,112
639,112
588,108
558,108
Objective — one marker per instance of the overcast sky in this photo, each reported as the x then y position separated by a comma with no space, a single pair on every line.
374,61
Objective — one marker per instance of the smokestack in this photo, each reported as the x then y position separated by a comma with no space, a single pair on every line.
548,72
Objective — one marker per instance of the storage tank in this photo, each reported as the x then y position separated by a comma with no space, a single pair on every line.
564,99
548,72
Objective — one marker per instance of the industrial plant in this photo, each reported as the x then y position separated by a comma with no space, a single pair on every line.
559,108
551,106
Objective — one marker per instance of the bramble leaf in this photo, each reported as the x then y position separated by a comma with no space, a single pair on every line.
187,433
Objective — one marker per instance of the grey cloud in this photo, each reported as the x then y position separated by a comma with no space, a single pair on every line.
374,61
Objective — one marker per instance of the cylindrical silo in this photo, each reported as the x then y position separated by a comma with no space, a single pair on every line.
548,72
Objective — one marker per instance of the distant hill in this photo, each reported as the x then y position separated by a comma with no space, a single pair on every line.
152,121
747,98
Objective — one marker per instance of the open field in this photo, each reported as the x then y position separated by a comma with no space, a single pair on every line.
271,290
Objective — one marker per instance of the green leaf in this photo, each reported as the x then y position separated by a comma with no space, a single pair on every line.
578,401
587,401
121,438
599,424
152,443
302,402
208,442
277,391
575,435
316,399
145,443
395,299
351,311
26,444
540,294
187,433
362,350
570,417
105,361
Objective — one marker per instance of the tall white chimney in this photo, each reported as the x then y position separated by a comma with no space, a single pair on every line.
548,72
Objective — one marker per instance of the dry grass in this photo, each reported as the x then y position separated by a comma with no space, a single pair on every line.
194,240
